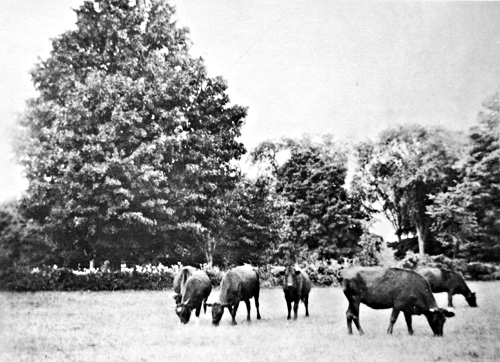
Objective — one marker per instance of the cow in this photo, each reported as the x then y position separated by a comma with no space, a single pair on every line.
180,280
195,293
400,289
444,280
238,284
296,286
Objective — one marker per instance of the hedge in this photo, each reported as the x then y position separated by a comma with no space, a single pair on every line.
139,278
149,277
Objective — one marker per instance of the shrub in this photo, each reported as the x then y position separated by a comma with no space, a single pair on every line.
471,271
323,273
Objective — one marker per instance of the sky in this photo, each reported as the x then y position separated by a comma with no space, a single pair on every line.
346,68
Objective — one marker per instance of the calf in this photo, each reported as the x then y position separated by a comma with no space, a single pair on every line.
196,291
296,286
180,280
400,289
238,284
444,280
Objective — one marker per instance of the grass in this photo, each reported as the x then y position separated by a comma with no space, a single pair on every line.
142,326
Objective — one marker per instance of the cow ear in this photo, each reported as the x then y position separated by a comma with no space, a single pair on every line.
297,272
208,304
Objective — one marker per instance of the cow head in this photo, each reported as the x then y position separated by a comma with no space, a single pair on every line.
471,299
290,277
177,298
183,311
436,318
217,312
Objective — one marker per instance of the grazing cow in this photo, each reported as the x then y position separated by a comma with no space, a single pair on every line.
238,284
196,291
400,289
443,280
180,280
296,286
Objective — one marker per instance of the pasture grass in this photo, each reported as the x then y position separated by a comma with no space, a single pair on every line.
143,326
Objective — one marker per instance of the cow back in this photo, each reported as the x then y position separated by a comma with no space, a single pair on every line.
197,288
240,283
381,288
181,278
443,280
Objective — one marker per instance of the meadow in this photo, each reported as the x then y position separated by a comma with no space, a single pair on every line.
143,326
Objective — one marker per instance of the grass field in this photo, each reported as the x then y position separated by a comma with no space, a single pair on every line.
142,326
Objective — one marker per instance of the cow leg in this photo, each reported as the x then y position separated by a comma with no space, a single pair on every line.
408,322
247,302
394,318
288,306
295,308
198,310
233,313
352,314
306,304
205,306
256,299
450,298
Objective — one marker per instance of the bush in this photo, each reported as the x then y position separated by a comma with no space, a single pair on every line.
62,279
323,273
471,271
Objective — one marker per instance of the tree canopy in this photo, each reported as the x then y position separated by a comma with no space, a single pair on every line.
317,211
402,169
483,170
129,142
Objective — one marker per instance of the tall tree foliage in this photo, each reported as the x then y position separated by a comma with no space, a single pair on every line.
455,224
483,169
402,169
317,211
129,143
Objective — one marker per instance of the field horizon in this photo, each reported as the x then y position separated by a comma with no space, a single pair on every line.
143,326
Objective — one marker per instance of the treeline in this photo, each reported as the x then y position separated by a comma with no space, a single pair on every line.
131,152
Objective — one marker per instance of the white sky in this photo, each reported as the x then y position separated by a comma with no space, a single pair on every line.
346,68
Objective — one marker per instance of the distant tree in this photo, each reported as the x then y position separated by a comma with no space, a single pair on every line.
381,196
318,212
403,168
129,144
455,224
483,169
21,242
251,226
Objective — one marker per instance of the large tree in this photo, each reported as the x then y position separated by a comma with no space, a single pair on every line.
129,142
483,170
403,168
318,212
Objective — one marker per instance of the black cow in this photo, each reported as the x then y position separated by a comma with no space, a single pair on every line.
296,286
180,280
444,280
400,289
238,284
195,291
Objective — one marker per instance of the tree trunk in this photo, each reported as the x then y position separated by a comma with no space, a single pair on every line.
210,258
209,251
421,235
